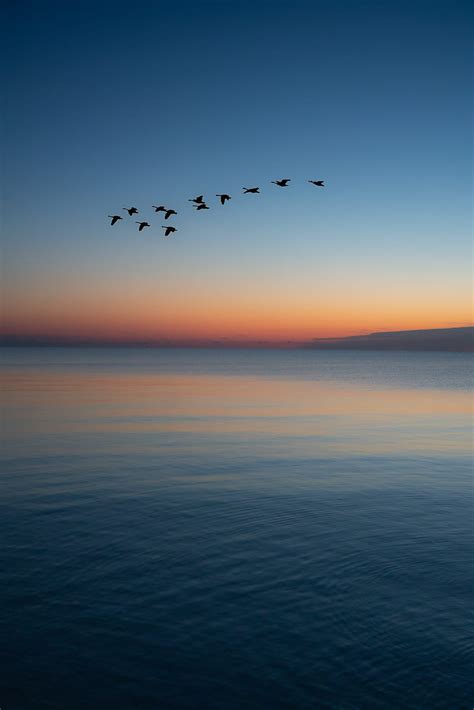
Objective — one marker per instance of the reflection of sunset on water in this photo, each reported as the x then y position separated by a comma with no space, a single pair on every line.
325,417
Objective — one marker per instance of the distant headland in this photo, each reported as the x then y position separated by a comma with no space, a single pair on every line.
447,339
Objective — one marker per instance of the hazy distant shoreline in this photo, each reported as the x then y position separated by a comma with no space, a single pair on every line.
441,339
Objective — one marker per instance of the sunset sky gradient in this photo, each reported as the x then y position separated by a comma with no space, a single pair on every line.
119,104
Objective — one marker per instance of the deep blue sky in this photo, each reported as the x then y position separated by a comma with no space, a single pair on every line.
113,104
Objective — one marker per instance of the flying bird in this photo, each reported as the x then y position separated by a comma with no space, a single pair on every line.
161,208
131,210
281,183
198,200
168,213
201,206
142,225
318,183
253,190
169,230
224,198
114,218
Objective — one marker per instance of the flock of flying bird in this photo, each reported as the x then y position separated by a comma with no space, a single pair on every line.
199,204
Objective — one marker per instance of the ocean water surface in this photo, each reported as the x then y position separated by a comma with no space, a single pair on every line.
231,529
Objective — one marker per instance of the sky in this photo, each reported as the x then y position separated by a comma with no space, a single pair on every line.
114,104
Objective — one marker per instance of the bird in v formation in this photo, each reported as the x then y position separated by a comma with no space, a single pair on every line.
200,204
142,225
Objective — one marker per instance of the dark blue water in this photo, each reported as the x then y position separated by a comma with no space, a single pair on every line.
235,529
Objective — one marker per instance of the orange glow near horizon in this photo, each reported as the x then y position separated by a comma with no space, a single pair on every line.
255,315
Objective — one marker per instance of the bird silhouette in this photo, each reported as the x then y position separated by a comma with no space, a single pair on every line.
224,198
201,206
318,183
161,208
168,213
142,225
114,218
198,199
168,230
253,190
281,183
131,210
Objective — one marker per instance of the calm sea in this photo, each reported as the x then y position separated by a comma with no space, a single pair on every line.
233,529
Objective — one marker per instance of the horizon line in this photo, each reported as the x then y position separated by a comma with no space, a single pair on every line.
456,338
